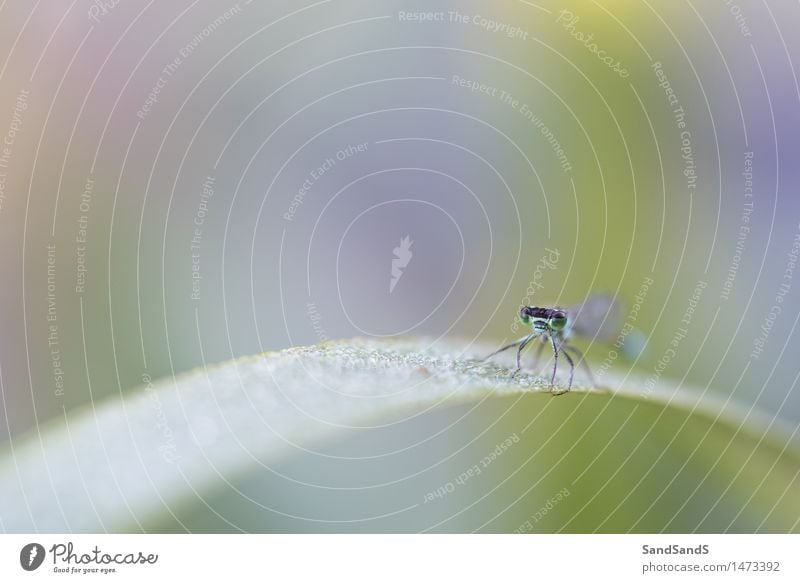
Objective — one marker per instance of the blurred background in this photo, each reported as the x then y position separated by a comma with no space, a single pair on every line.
187,182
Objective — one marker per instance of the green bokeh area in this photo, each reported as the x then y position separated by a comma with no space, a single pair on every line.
572,470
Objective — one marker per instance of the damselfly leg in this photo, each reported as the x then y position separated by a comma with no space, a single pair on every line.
569,347
519,353
506,347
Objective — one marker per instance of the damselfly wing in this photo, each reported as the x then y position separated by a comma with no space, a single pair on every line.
598,317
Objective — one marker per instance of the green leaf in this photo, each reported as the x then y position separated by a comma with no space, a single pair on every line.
378,435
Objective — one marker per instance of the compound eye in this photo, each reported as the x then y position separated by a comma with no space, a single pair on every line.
558,320
524,315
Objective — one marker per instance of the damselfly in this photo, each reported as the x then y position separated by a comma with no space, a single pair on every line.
597,318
